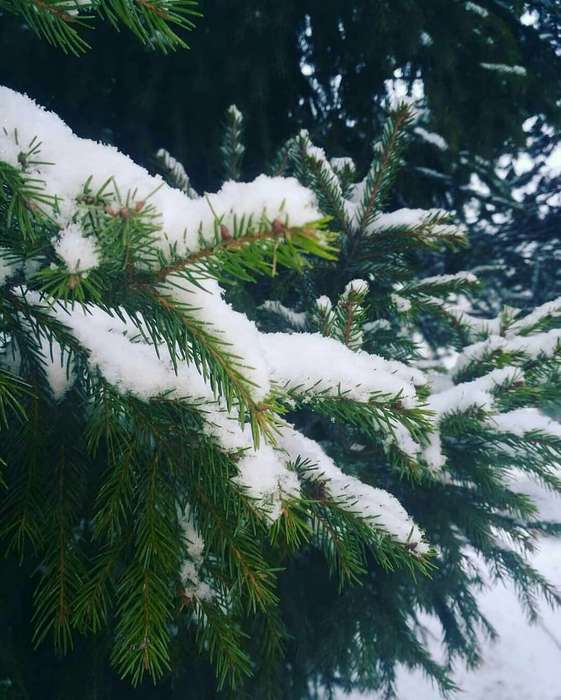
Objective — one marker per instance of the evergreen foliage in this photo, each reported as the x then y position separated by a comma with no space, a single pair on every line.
321,65
187,493
476,71
62,22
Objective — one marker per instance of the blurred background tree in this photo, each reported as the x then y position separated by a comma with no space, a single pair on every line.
323,65
478,72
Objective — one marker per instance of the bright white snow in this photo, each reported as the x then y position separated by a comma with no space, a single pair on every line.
523,664
77,251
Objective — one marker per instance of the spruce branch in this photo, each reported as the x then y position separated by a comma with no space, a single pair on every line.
251,249
62,564
385,165
232,148
167,526
345,537
281,161
145,594
175,172
222,368
25,206
12,391
314,170
58,21
61,22
248,573
22,511
222,638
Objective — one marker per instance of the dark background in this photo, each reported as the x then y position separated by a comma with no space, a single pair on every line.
323,65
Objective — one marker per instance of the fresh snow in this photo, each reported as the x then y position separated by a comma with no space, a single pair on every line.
476,9
191,580
463,276
310,362
503,68
402,304
358,286
549,309
381,324
264,474
530,345
7,267
185,223
381,507
459,312
478,392
404,218
524,420
323,303
238,333
426,39
343,163
432,138
177,171
57,370
523,664
78,252
235,113
134,367
297,319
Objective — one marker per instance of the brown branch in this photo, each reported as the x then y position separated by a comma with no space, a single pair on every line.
278,230
52,9
401,117
349,307
154,8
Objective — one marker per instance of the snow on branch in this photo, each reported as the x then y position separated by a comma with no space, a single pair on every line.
376,505
478,393
169,334
432,138
311,362
522,421
176,172
535,319
296,319
532,346
519,71
68,162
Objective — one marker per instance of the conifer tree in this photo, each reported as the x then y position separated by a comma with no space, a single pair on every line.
233,438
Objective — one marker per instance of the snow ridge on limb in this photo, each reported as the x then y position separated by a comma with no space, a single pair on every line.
376,505
477,393
521,421
295,319
185,225
324,365
176,338
512,350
